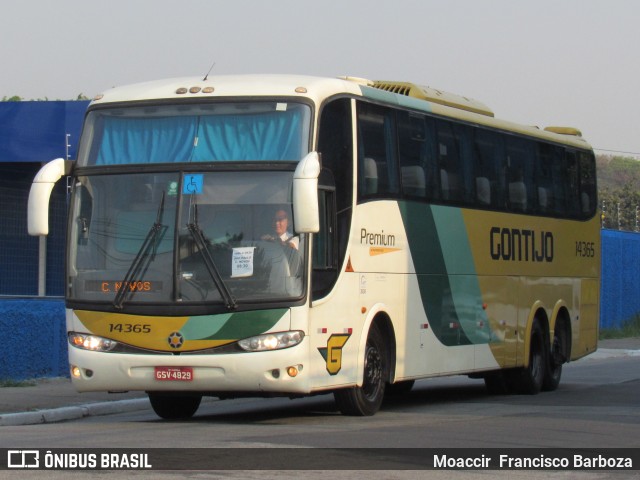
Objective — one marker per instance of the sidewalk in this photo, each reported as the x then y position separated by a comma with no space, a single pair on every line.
54,399
50,400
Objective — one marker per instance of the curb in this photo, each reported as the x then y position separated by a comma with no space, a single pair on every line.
610,353
61,414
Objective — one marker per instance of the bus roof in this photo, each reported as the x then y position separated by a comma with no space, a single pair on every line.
404,94
316,88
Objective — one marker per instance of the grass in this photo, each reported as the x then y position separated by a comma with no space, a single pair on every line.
16,383
631,328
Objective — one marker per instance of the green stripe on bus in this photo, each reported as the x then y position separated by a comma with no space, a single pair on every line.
231,326
446,275
463,280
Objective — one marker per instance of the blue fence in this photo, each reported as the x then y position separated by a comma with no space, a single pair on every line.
34,335
620,285
37,346
18,250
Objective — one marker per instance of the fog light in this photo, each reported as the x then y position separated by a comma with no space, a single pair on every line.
75,372
292,371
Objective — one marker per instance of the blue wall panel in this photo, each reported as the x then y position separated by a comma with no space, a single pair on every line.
620,278
34,335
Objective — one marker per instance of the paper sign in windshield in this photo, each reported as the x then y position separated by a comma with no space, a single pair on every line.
242,262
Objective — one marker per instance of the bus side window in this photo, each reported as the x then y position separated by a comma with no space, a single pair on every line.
335,143
377,165
449,162
417,157
486,163
547,156
587,184
569,183
519,162
464,139
325,269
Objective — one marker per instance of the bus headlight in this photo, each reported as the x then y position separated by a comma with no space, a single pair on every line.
91,342
271,341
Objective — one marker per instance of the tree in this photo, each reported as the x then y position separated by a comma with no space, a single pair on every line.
619,191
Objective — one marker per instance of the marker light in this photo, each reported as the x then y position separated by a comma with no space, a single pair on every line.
271,341
91,342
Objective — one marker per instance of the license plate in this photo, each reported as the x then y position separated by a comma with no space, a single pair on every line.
174,374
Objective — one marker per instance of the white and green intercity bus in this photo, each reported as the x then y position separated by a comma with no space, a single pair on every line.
290,235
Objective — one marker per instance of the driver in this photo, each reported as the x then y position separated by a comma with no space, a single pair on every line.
281,230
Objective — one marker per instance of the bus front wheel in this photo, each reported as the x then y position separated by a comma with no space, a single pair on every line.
174,407
366,400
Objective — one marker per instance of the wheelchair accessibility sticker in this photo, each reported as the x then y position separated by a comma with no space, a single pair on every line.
193,184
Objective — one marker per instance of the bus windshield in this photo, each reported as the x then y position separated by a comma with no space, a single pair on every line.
187,238
212,132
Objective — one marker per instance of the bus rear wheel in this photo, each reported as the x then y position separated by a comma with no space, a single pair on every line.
366,400
557,357
174,407
530,379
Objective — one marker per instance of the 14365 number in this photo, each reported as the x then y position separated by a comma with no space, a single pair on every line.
585,249
129,328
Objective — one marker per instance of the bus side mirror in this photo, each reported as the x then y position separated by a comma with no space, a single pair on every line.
40,193
306,214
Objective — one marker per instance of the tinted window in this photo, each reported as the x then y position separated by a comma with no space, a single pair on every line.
376,151
418,161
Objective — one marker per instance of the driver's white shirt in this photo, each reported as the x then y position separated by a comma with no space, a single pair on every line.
287,237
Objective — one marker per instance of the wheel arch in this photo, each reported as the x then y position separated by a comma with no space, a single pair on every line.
378,318
537,313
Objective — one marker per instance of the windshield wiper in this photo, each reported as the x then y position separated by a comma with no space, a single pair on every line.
201,242
142,259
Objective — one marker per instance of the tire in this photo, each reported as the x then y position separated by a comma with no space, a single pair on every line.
366,400
557,357
174,407
529,380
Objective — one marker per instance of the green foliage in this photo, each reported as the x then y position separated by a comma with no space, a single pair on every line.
8,383
616,171
619,191
15,98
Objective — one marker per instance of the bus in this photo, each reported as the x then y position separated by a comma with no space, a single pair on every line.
275,235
